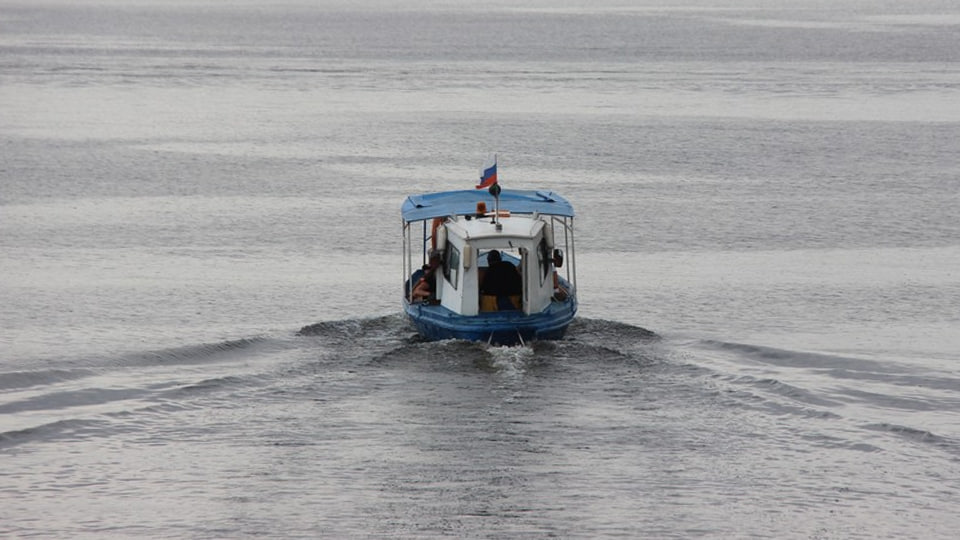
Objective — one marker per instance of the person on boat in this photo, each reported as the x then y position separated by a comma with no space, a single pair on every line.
501,277
560,293
426,287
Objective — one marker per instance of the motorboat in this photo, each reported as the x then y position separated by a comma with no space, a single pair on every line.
488,265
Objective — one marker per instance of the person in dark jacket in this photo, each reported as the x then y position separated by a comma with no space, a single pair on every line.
501,278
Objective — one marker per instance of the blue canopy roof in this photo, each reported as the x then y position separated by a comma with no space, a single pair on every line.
447,203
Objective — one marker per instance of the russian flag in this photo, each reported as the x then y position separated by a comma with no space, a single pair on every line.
488,174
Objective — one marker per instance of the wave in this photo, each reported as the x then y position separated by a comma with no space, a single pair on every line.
369,328
922,436
619,332
49,403
392,338
589,345
772,386
93,366
16,380
60,429
193,354
397,326
860,394
789,358
98,412
850,379
86,397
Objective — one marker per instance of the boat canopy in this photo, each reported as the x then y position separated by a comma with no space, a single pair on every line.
464,202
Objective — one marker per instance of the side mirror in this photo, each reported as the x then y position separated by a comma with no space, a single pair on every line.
558,258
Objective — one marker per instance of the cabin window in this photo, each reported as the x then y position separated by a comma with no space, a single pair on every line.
451,265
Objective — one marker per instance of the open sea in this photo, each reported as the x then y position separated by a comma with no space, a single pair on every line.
200,274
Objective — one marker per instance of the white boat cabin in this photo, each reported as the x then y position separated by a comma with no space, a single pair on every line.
523,241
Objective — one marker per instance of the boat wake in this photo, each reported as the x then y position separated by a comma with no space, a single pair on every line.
393,339
861,395
96,365
92,393
852,402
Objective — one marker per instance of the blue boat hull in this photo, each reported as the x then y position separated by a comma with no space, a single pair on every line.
435,322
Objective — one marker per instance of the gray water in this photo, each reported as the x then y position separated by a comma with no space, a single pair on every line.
200,332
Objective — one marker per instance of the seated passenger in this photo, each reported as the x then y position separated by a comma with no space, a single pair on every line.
426,287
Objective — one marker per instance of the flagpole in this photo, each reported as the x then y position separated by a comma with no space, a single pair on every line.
495,191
